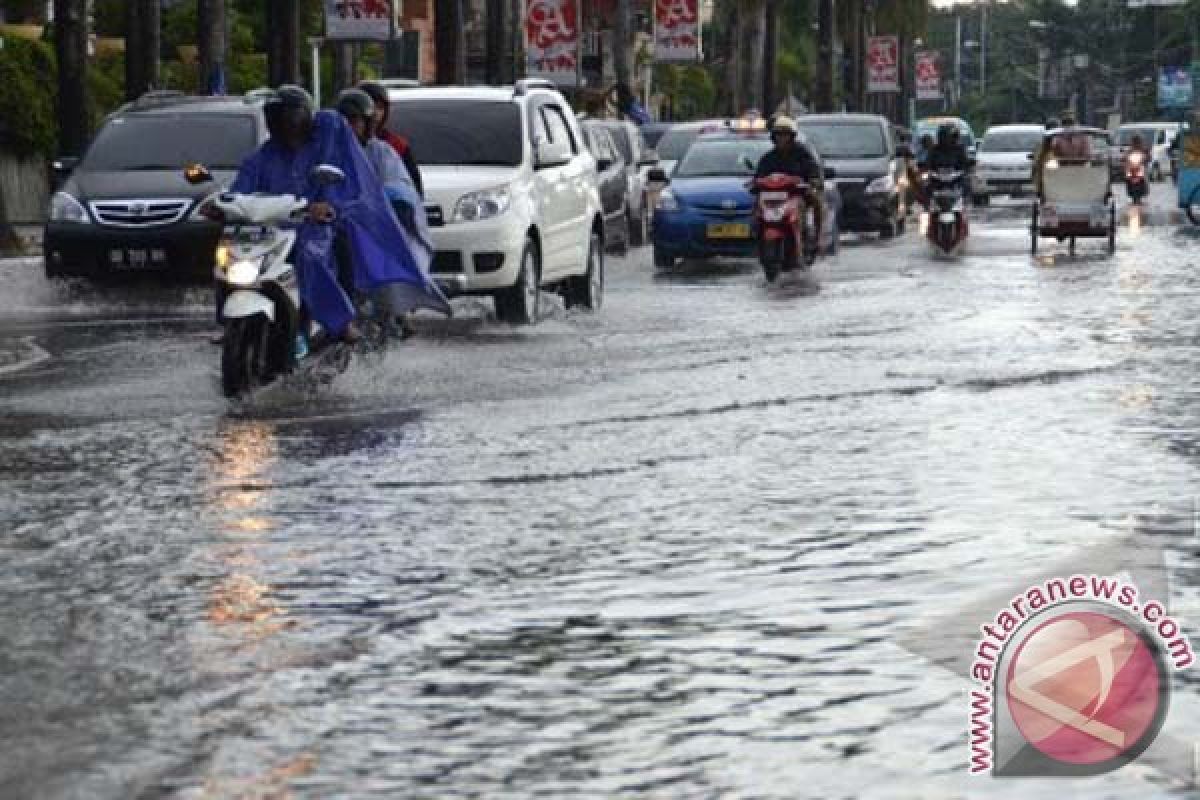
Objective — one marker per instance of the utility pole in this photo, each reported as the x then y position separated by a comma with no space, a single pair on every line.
71,47
824,93
450,42
211,43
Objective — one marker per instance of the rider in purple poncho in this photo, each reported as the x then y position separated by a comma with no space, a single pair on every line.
356,207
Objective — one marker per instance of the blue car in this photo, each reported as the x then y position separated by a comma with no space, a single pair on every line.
706,210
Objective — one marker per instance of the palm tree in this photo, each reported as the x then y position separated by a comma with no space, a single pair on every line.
622,56
753,19
450,42
825,34
143,42
283,42
70,46
494,41
211,44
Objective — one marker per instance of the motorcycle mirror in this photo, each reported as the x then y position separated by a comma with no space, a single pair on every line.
326,175
196,174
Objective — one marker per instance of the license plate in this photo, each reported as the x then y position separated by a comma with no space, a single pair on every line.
137,258
729,230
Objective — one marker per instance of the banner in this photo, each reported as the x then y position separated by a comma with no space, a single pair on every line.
552,40
358,20
1175,87
676,30
883,64
929,79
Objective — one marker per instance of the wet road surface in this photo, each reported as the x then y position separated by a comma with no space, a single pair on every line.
681,548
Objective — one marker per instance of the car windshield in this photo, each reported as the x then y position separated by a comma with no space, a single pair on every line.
735,157
172,142
846,140
1011,141
452,131
675,143
1125,136
930,128
651,134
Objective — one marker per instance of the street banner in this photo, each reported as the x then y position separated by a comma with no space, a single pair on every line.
676,31
359,20
1175,87
883,64
552,40
929,79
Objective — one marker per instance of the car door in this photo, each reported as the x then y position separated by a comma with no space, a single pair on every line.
567,220
554,191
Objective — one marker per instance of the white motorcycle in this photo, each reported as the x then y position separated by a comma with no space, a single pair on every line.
267,334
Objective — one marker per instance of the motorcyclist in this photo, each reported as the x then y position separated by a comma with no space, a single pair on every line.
914,166
1137,145
300,139
791,157
947,152
379,96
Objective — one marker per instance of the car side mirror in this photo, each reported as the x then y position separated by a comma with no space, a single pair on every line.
326,175
196,174
657,175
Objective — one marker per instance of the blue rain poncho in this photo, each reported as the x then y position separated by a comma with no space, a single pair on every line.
382,252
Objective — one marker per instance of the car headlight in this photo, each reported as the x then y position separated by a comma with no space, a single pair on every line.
1052,164
243,272
881,185
484,204
667,201
65,208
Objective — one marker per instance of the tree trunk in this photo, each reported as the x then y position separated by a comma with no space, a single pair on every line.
8,235
343,67
824,89
494,45
283,42
621,43
135,44
450,42
733,59
770,88
210,40
753,14
70,46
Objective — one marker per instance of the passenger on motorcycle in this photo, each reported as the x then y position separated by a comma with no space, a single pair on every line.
379,95
1137,145
790,157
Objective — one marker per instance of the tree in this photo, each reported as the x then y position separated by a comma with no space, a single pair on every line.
495,67
825,33
143,42
753,18
622,56
283,42
450,42
213,49
70,47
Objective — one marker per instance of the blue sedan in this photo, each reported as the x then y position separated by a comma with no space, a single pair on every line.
706,210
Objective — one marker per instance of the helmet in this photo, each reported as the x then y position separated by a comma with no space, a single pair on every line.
1068,118
355,103
946,133
1052,123
289,96
784,124
378,93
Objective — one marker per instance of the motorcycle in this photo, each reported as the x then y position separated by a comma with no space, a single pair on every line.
781,217
946,226
1135,177
267,332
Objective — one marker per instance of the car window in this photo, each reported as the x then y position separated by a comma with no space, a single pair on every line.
620,136
558,129
675,143
732,157
172,142
459,131
1011,141
846,140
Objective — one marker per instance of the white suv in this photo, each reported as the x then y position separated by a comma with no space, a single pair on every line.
510,192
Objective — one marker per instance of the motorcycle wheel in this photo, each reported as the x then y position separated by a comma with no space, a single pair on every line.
244,354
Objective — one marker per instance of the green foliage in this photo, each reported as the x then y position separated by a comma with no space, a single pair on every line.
27,119
106,85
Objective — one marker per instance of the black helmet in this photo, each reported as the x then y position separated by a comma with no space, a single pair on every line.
290,96
946,133
378,93
355,103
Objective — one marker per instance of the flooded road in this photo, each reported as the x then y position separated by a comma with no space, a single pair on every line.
692,546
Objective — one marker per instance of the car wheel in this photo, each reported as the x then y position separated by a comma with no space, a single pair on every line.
662,260
587,290
518,304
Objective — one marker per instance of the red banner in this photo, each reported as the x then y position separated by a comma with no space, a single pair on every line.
552,40
929,78
676,30
883,64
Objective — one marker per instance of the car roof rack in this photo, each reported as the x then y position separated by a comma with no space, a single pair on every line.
522,87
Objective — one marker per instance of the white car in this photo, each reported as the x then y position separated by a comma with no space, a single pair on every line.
510,193
1157,136
1003,163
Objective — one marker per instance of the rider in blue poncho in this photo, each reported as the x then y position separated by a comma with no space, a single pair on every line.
357,208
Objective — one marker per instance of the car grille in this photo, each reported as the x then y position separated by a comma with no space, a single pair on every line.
140,213
447,261
721,208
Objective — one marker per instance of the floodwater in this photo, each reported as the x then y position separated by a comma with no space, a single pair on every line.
714,541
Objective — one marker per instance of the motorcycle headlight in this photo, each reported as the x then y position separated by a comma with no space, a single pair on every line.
243,272
881,185
667,201
65,208
1052,164
482,205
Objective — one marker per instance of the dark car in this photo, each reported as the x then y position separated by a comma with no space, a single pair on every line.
613,181
653,131
637,160
126,207
869,168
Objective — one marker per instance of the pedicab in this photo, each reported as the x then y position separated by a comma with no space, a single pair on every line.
1074,192
1188,180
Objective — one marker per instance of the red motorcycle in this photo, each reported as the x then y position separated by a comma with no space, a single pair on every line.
1135,176
781,217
